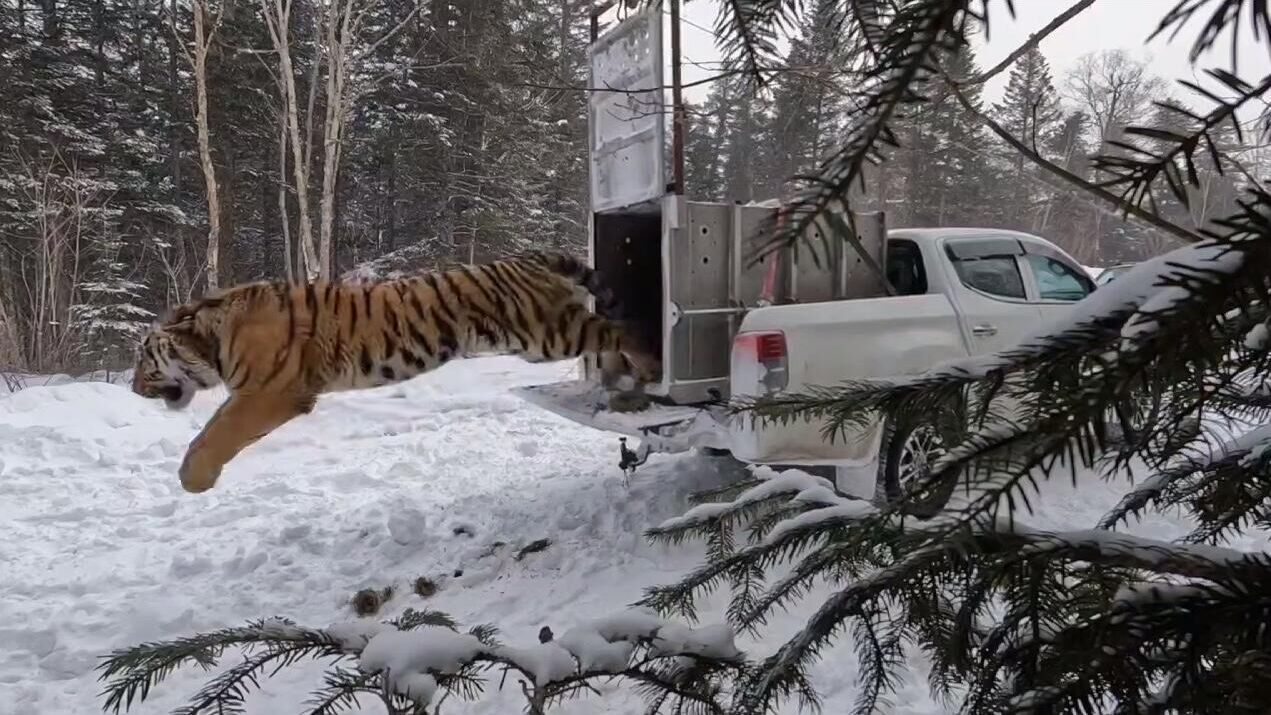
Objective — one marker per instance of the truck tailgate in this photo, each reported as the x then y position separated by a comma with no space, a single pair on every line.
676,427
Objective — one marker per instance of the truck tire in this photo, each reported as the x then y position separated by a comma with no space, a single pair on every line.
907,449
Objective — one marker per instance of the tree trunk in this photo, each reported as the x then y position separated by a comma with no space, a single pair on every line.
278,20
392,202
201,44
174,100
564,42
283,220
228,186
331,143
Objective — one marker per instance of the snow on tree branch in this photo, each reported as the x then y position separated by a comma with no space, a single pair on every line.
414,661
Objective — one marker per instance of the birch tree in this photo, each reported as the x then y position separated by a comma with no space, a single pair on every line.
277,14
339,50
196,55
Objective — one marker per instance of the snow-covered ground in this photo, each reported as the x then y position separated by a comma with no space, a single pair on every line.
100,548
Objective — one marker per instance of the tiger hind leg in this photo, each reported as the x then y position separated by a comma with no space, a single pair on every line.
614,367
621,351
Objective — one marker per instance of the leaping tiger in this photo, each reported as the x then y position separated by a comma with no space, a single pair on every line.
278,346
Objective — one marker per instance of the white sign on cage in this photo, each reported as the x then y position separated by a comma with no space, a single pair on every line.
627,114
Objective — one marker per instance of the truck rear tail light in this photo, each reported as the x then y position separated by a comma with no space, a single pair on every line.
759,362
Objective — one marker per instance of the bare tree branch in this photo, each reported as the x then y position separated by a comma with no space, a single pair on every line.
1033,41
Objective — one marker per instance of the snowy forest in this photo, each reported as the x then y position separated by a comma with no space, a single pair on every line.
1083,523
151,150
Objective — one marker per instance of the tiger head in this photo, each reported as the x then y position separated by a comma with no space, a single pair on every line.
175,360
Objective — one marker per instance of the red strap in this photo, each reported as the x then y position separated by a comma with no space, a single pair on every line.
770,275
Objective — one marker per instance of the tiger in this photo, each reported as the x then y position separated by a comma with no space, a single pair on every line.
277,346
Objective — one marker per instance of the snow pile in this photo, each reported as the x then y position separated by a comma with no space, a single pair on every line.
1137,595
717,641
643,624
595,653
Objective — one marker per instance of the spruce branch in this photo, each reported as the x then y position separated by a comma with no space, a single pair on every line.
1225,16
341,687
747,31
405,662
1172,156
131,673
896,563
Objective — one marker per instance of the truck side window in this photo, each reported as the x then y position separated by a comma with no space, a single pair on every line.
1057,280
995,275
905,269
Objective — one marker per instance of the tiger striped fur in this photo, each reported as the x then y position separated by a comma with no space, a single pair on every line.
278,346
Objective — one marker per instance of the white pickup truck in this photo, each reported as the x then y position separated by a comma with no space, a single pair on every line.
958,292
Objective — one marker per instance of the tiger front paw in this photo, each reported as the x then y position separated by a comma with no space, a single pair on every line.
198,474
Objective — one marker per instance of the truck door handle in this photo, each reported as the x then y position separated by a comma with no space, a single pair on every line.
984,330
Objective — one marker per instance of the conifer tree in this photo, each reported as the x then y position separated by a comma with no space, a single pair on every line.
705,145
1030,111
701,156
944,165
1030,106
808,98
744,152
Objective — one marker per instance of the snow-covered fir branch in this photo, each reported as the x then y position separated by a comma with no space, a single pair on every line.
415,662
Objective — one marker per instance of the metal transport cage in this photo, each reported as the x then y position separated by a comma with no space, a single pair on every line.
682,270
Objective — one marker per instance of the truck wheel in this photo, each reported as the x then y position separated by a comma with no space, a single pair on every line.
905,456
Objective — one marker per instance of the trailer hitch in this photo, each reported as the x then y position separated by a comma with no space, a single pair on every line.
631,459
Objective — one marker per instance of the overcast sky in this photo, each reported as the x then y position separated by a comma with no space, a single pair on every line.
1107,24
